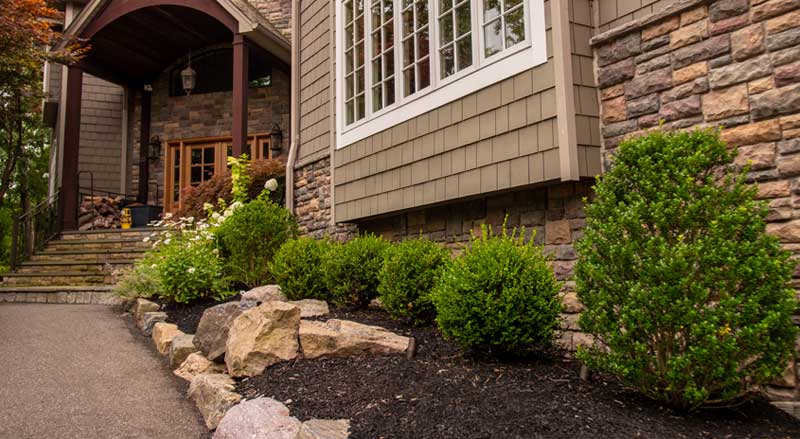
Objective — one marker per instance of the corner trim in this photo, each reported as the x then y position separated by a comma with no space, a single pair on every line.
565,91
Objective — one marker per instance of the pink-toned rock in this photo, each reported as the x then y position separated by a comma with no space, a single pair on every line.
214,395
260,418
342,338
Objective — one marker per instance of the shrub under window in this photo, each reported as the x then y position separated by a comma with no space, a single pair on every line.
681,284
352,270
298,267
499,296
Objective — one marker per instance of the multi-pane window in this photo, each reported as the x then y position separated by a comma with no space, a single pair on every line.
393,52
503,25
355,91
455,36
382,53
416,46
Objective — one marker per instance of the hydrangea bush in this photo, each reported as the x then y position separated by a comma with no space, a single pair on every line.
685,292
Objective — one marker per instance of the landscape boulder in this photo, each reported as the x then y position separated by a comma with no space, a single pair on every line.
262,418
261,337
195,364
141,306
325,429
214,396
180,348
262,294
342,338
212,331
149,319
311,307
163,333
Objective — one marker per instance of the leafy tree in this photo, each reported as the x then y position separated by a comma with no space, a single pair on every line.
686,293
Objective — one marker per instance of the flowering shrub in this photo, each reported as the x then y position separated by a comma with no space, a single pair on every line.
687,293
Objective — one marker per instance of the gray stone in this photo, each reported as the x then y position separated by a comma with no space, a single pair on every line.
648,47
262,294
740,72
325,429
681,108
261,418
649,83
698,86
722,9
214,395
149,319
720,61
784,39
619,128
641,106
616,73
775,102
656,63
619,49
785,56
180,348
141,306
789,146
212,331
311,307
707,49
261,337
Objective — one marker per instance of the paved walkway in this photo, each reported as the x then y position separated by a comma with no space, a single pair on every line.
77,371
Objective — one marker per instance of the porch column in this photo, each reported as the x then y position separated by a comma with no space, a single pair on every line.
71,141
240,84
144,140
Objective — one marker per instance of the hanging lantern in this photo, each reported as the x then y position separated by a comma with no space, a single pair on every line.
154,148
189,77
276,140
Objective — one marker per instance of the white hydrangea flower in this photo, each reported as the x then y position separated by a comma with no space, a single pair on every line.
191,270
167,215
146,239
271,185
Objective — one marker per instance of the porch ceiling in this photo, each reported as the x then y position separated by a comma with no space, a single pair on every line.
137,47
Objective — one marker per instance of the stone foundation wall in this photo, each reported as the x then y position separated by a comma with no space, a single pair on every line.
312,202
725,63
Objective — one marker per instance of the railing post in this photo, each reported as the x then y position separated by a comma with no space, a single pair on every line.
14,244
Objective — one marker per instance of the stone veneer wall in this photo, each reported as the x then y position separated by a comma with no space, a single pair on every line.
725,63
312,202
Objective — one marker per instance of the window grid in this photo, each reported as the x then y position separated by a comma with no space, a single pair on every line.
382,54
416,46
355,94
503,25
455,36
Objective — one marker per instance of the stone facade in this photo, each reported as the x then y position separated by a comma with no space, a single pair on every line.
312,198
727,63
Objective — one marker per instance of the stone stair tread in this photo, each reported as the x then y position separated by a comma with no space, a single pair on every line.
99,251
54,288
78,242
77,262
56,273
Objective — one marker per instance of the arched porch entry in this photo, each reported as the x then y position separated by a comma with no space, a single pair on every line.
134,41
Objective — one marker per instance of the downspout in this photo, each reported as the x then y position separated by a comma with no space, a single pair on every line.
294,99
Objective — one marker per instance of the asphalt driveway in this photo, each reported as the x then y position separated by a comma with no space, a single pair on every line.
78,371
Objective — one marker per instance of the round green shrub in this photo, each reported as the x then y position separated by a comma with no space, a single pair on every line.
298,267
410,271
189,270
499,296
682,286
351,271
250,237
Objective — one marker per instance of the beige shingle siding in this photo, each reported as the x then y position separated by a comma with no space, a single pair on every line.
587,111
613,13
101,134
315,71
501,137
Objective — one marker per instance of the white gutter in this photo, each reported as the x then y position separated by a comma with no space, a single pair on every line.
294,102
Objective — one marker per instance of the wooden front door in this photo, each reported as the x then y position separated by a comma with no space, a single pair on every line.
190,162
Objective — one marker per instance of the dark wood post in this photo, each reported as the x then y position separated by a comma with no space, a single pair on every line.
240,84
144,141
72,137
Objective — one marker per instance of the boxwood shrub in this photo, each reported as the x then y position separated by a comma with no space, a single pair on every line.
409,273
499,296
351,271
298,267
687,293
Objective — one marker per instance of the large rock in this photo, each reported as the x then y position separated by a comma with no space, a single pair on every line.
262,418
180,348
311,308
149,319
196,364
214,396
163,333
325,429
262,294
141,306
212,331
342,338
261,337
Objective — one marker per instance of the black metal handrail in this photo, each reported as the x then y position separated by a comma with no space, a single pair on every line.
31,230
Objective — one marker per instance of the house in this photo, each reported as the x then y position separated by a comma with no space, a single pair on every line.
424,117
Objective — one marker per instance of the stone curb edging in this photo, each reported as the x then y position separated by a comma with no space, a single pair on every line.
64,297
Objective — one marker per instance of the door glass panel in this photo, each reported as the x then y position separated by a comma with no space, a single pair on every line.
195,176
176,175
208,155
197,156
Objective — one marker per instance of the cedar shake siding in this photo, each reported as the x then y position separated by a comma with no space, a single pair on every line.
499,138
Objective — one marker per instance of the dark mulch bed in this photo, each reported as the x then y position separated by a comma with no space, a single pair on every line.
187,317
440,393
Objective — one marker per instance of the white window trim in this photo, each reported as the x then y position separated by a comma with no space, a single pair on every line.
484,72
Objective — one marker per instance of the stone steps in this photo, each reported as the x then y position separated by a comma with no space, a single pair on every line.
93,235
98,244
98,295
57,278
90,255
89,266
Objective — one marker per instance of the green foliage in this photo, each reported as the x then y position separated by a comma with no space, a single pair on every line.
142,280
298,267
190,270
499,296
410,271
240,177
250,237
680,282
351,271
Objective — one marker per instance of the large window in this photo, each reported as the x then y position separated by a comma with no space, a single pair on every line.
397,59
